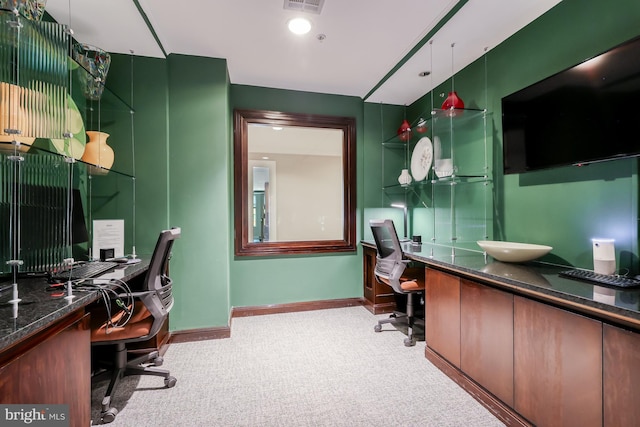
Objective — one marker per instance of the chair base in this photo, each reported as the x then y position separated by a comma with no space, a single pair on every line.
408,319
395,318
142,365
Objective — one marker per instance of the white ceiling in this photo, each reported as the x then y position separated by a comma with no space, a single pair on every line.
364,39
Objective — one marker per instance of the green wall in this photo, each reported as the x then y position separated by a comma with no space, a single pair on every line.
199,182
563,207
150,102
275,280
184,166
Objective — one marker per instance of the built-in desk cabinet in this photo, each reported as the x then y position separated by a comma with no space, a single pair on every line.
557,365
52,367
442,315
486,338
378,297
528,361
471,326
621,377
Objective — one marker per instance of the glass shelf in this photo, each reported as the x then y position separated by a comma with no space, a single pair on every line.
449,180
396,144
49,194
457,207
458,179
397,187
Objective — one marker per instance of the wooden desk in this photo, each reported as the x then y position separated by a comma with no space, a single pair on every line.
45,348
533,347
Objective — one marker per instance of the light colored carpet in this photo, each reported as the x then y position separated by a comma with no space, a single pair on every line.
316,368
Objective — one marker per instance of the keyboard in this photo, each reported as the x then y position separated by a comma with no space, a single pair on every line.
84,271
601,279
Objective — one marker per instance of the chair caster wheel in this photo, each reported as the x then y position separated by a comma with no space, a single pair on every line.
409,342
109,415
377,328
158,361
170,382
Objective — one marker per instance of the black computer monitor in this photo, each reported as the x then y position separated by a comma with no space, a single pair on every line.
46,228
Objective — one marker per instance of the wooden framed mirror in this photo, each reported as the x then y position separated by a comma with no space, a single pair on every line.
295,183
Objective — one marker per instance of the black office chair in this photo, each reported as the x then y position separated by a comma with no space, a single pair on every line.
150,310
391,269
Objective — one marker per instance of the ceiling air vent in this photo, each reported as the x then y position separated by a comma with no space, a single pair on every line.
312,6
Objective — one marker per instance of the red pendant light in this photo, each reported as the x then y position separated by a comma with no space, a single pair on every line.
453,104
404,131
421,126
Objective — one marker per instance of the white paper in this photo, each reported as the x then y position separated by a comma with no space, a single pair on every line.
108,234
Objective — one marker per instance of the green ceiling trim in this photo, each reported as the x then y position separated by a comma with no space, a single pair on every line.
146,21
418,46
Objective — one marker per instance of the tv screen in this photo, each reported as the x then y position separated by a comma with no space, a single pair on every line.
587,113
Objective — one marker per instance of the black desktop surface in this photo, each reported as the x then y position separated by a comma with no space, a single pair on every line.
40,306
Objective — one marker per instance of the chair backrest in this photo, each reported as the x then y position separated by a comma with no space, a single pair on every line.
158,284
390,262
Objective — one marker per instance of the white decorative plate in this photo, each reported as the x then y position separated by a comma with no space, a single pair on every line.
421,159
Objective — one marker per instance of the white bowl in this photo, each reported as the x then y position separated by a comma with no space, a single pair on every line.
513,252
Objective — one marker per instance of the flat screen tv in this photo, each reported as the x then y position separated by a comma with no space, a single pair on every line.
584,114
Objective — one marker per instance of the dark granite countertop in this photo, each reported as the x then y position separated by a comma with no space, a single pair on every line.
39,307
533,279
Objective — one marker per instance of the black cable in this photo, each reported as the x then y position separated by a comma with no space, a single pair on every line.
114,290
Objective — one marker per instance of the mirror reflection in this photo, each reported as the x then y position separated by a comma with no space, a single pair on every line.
261,196
296,176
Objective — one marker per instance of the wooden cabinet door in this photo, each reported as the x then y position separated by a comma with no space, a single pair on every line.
621,377
368,265
379,297
557,366
486,337
442,314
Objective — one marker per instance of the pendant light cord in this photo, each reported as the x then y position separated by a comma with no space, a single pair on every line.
453,74
431,74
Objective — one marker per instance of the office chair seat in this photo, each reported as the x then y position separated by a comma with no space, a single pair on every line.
138,326
408,285
411,285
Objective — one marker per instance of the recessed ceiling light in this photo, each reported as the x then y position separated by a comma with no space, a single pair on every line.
299,26
277,128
